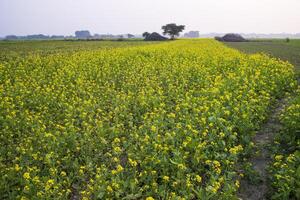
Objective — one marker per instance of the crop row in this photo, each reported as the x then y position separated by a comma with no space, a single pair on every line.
285,168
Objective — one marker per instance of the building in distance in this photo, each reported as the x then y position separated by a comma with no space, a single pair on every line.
192,34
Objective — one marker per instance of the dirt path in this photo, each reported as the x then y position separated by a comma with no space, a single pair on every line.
262,139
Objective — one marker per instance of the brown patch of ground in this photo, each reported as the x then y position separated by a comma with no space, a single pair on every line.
260,161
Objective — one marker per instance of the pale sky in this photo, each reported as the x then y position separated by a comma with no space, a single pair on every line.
64,17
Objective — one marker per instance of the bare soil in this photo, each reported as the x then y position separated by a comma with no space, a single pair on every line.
263,138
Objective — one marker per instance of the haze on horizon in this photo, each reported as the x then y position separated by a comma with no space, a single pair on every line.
64,17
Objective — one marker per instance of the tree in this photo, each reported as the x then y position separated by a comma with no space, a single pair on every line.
172,30
146,34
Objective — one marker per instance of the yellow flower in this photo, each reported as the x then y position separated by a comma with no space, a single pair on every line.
216,163
115,185
181,166
133,163
117,149
39,194
17,167
166,178
109,189
26,188
26,175
36,179
236,149
35,156
222,134
237,183
172,115
278,157
50,182
208,162
198,178
154,184
153,128
117,140
216,187
290,158
149,198
174,184
120,168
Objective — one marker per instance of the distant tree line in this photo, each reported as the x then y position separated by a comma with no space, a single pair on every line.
34,37
84,35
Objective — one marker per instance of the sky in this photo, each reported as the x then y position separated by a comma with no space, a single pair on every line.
64,17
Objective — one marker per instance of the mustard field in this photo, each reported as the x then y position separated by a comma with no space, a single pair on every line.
169,120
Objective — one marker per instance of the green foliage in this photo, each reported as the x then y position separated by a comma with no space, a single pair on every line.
11,50
276,48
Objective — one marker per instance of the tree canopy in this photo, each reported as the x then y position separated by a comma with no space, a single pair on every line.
146,34
172,30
